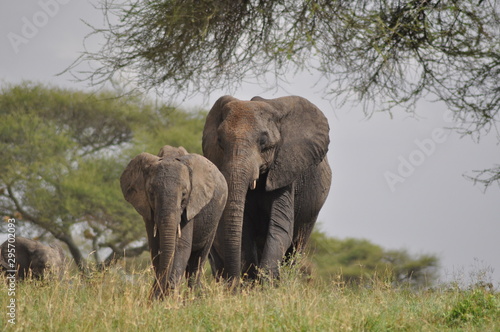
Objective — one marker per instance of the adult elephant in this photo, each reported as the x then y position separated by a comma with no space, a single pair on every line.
272,153
181,197
31,259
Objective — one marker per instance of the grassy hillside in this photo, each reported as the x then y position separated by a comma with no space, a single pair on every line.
116,301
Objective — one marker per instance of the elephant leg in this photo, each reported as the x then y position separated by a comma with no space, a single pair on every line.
216,263
154,244
195,265
280,232
181,256
302,234
22,272
309,199
249,255
199,255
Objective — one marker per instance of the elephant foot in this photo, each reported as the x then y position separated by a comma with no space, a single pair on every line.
159,293
156,294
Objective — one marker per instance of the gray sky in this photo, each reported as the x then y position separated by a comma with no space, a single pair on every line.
396,182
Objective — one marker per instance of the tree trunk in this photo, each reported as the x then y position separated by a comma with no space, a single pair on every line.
74,250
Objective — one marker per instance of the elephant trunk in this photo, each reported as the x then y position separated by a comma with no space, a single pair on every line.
167,223
240,178
232,219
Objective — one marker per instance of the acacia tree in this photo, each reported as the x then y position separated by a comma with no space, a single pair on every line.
62,155
381,53
53,173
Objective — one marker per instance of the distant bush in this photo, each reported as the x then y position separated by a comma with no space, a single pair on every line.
473,306
357,261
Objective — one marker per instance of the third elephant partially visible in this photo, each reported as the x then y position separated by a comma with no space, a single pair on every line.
32,259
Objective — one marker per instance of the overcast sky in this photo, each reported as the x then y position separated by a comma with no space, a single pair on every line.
396,182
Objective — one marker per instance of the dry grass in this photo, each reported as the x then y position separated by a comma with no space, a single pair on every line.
114,301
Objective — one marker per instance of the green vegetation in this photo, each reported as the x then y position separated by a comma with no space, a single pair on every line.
474,307
63,152
109,302
358,261
393,52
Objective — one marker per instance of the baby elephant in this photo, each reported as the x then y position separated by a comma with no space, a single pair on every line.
30,258
181,197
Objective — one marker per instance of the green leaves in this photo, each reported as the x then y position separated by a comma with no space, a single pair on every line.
170,126
63,152
360,261
381,53
473,306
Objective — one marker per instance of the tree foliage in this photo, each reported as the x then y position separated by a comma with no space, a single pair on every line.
168,124
388,51
62,155
379,53
358,261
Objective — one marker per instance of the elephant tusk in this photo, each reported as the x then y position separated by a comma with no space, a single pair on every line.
179,228
155,229
254,185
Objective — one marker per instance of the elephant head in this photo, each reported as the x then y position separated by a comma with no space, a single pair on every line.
166,191
260,143
47,259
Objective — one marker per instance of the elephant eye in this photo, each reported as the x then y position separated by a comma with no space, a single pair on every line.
263,140
219,143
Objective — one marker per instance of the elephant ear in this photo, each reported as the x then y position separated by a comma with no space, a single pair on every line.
210,145
305,138
171,152
203,180
133,182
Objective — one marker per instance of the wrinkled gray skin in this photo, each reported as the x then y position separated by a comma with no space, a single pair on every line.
181,197
33,259
273,156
